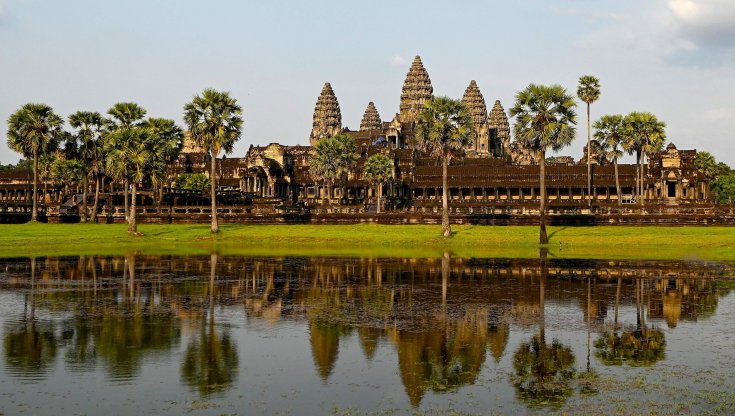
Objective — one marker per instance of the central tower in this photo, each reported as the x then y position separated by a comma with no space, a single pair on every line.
417,90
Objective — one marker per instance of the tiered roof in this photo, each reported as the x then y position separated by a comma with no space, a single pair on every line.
475,103
371,119
499,120
417,90
327,116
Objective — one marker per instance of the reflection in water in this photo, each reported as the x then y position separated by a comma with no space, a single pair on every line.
438,318
210,362
543,372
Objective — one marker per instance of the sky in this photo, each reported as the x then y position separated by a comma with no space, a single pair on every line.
674,58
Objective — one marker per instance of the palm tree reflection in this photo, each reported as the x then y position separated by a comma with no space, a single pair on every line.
211,361
543,372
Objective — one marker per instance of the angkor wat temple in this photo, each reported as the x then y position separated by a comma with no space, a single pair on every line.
497,181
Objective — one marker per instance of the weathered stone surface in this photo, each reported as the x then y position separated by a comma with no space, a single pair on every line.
499,130
475,103
417,90
371,119
327,116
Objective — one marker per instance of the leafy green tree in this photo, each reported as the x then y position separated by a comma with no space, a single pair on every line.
544,119
644,133
332,159
69,173
706,163
589,92
88,127
164,144
128,158
378,169
193,181
444,130
723,188
609,134
33,130
214,120
123,118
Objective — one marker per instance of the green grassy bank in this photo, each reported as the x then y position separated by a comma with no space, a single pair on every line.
710,243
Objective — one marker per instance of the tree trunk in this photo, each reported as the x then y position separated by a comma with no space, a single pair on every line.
126,184
132,225
617,181
638,174
85,184
34,214
543,237
213,182
446,228
96,198
643,186
380,194
589,156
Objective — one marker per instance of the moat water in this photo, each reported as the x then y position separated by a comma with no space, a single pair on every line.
237,335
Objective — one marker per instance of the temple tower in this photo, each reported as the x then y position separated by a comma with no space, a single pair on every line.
327,116
417,90
475,103
371,119
499,141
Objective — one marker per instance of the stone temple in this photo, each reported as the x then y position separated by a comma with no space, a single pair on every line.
496,177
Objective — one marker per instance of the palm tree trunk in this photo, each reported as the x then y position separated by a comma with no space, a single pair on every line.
446,228
132,225
126,184
213,183
34,214
617,181
643,186
85,184
380,194
96,198
589,155
543,237
638,173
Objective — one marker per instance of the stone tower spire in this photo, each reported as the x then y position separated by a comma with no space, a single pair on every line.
327,117
499,130
371,119
417,90
475,103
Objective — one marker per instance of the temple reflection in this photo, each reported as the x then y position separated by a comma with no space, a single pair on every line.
439,318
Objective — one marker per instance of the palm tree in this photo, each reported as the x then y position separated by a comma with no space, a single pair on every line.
378,169
165,142
332,159
645,133
444,130
124,117
128,158
89,127
706,163
214,120
589,92
544,119
33,130
609,134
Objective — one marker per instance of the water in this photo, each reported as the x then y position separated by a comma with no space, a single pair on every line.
171,335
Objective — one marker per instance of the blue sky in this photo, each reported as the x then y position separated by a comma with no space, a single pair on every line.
674,58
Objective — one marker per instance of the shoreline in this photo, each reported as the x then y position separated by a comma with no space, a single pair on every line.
372,240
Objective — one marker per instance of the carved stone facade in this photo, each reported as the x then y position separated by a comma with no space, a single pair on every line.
417,90
499,131
475,103
371,119
327,116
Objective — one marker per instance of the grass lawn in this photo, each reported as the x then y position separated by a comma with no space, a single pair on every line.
614,242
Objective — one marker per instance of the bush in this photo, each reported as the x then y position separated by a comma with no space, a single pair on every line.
193,181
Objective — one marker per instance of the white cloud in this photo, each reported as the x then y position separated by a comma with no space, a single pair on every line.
398,60
719,114
707,23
